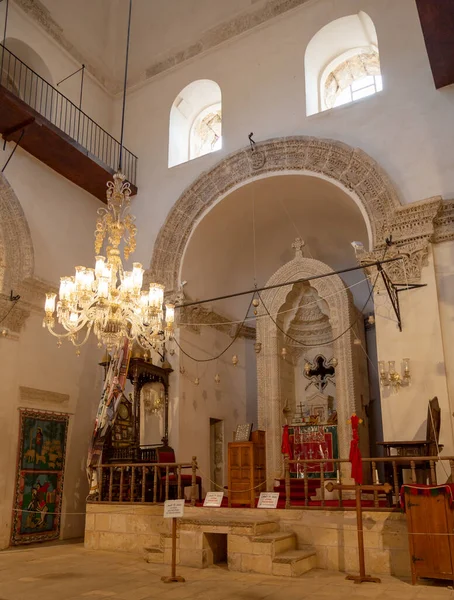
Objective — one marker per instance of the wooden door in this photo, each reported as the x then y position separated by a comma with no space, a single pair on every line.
240,472
428,529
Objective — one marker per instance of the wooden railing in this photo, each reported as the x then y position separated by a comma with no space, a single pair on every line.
145,482
390,475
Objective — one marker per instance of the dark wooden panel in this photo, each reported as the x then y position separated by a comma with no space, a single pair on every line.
437,22
52,146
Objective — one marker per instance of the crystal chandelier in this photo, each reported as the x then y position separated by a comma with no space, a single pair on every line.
107,299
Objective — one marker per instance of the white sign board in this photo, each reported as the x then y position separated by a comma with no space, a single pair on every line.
268,500
173,508
213,499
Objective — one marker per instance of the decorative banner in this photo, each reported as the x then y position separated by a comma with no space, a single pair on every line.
111,396
40,470
213,499
173,509
268,500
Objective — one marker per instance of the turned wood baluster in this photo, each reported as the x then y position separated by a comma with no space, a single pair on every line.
167,483
179,482
194,480
99,475
155,485
111,475
121,484
133,482
433,474
374,470
306,485
322,483
144,475
287,480
341,501
396,482
413,471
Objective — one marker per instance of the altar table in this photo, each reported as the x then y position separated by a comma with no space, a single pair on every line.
312,442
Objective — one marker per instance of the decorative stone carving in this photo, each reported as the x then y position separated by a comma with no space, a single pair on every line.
192,317
341,314
352,169
444,222
35,396
16,248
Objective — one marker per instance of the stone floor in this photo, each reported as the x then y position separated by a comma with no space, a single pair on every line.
67,571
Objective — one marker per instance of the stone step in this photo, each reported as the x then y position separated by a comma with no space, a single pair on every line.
293,563
229,525
154,555
273,543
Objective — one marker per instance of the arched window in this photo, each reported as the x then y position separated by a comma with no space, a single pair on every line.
355,77
342,63
195,122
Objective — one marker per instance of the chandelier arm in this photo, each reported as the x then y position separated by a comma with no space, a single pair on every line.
85,338
57,335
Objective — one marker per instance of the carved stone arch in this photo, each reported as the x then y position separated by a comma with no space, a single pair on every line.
16,247
349,168
342,314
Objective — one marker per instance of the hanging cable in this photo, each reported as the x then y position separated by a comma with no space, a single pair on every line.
265,316
237,334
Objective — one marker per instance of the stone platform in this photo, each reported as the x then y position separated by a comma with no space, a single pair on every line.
272,542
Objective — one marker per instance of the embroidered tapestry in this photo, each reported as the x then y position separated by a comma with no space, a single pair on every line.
40,470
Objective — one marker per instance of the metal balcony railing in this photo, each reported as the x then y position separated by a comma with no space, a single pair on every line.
36,92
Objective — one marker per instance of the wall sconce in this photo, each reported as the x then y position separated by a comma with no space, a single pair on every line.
391,377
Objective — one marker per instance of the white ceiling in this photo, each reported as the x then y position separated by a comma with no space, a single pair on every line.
97,28
219,258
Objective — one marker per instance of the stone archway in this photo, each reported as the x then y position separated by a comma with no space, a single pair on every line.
16,263
342,314
16,247
349,168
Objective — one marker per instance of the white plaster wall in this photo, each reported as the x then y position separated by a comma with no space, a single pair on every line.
421,340
61,218
35,361
227,401
406,127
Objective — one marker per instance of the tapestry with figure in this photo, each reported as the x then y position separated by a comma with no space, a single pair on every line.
40,470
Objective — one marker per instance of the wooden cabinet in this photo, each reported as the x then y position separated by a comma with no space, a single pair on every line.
247,469
430,521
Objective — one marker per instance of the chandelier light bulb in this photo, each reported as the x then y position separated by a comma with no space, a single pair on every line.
235,360
217,379
196,381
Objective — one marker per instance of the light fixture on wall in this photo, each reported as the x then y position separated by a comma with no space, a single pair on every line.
109,300
391,378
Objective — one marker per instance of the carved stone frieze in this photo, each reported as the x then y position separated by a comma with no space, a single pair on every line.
193,318
444,222
210,39
408,270
349,167
35,396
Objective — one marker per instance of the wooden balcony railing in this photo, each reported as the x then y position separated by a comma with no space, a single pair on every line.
145,482
391,466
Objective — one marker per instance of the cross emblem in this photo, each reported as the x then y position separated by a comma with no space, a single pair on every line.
298,246
320,372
